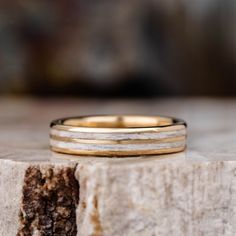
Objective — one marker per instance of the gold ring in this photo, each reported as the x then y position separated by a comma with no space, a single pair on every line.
118,135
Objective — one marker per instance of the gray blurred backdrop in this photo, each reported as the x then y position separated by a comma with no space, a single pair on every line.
118,48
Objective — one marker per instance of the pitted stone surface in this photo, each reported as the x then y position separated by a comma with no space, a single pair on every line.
50,197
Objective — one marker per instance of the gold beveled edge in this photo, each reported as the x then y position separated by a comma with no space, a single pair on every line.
125,141
176,125
120,130
118,153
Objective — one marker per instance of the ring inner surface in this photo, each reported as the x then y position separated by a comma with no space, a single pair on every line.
119,121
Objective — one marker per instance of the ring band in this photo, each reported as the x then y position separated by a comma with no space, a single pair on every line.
121,135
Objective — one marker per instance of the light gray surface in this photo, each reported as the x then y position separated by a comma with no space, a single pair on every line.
189,193
24,123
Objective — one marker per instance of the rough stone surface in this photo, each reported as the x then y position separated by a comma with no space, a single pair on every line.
190,193
11,182
158,198
50,197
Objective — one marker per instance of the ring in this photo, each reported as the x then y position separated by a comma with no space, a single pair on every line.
118,135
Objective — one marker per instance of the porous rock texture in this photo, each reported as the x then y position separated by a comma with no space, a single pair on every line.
49,200
147,196
38,199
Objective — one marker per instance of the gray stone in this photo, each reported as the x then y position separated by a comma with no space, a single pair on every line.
190,193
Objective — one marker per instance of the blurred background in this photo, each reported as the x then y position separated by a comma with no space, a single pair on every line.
121,48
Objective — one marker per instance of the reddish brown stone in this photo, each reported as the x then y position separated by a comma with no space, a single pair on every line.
49,202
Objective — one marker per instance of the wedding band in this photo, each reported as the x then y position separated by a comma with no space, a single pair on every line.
118,135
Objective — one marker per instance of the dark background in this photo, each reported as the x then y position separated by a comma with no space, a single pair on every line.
118,48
